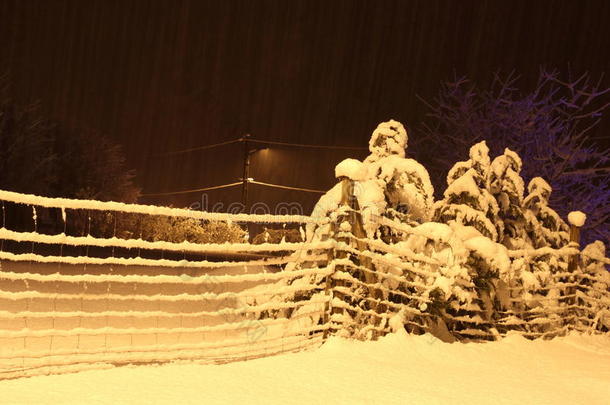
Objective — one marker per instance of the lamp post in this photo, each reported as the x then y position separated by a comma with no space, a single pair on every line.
246,173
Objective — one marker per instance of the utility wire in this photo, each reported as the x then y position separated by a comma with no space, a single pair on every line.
194,190
260,141
308,190
302,145
215,145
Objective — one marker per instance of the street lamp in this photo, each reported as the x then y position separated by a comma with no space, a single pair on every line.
246,173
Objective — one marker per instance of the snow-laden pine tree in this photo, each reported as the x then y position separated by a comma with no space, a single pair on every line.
405,182
465,289
537,302
466,200
386,184
506,186
473,214
543,225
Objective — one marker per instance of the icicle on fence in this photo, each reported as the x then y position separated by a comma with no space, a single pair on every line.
206,302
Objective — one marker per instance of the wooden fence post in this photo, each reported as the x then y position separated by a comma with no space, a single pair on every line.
329,286
336,227
348,197
354,217
574,238
573,261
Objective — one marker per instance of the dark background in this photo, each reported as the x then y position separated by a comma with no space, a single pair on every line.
159,76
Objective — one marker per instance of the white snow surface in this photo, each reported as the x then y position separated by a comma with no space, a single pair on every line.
352,169
577,218
397,369
389,138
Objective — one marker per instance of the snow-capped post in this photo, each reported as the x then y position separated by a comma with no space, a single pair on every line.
577,220
354,218
338,254
349,172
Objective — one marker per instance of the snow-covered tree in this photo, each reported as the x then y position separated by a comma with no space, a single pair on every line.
529,223
466,200
385,183
506,186
405,182
549,126
536,300
543,225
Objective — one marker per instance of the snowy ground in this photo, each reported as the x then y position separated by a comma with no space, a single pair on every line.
398,369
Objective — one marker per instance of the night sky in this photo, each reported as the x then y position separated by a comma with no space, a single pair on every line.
159,76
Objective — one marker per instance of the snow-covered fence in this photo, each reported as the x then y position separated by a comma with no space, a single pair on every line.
206,302
376,283
374,280
220,302
569,291
431,290
459,287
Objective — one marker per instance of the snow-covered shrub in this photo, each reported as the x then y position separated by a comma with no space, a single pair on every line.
537,304
448,285
269,235
163,228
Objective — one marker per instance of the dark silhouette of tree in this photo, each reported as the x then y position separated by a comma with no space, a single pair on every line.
37,156
94,167
28,162
548,127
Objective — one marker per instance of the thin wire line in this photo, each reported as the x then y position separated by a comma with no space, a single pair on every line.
260,141
302,145
215,145
309,190
193,190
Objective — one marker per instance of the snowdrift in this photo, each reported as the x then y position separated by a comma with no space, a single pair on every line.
397,369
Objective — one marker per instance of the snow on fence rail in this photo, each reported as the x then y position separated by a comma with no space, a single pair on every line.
66,203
